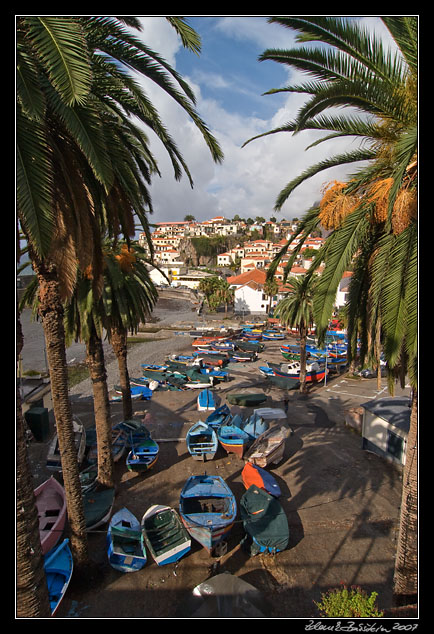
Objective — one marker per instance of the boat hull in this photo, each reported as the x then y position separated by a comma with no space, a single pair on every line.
143,457
268,448
97,507
58,565
207,509
206,401
165,535
51,505
202,442
53,457
247,399
125,544
233,439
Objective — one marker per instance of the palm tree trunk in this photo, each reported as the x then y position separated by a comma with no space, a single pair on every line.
405,579
51,313
98,375
303,339
118,340
32,591
378,353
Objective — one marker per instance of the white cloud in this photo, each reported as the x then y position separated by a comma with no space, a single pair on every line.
250,178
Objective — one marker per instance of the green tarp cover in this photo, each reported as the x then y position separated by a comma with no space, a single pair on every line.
264,519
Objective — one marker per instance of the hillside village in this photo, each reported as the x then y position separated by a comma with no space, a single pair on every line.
244,266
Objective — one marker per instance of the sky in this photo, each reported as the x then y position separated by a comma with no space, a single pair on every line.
229,82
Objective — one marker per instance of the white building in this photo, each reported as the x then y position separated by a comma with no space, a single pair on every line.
385,426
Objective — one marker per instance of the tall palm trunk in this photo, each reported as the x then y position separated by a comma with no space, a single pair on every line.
51,313
405,579
98,375
303,340
32,590
118,340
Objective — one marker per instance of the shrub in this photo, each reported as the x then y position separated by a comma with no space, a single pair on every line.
348,602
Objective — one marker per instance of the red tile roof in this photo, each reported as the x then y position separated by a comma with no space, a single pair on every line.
254,275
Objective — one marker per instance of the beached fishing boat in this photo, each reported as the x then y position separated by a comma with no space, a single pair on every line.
135,431
247,399
143,456
138,392
58,566
98,506
53,456
252,474
88,477
284,383
165,535
272,335
51,505
268,447
314,371
218,416
118,447
249,346
125,543
255,425
208,509
233,438
202,442
264,521
206,401
243,356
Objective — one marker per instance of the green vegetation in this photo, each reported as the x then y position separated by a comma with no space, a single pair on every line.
350,602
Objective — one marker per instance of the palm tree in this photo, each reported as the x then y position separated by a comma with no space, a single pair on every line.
373,216
296,311
82,165
127,300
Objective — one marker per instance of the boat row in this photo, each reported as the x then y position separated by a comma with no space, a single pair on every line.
207,509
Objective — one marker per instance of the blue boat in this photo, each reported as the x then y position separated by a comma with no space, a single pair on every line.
254,425
208,509
125,543
143,455
202,442
166,537
219,416
232,436
272,335
206,400
138,392
58,566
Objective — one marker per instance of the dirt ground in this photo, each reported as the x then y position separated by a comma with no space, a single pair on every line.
342,506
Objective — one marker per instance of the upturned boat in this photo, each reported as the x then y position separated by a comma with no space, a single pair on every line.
206,400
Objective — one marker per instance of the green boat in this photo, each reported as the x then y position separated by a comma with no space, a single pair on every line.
247,399
97,507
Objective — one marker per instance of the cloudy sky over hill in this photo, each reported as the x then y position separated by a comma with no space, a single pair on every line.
229,83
